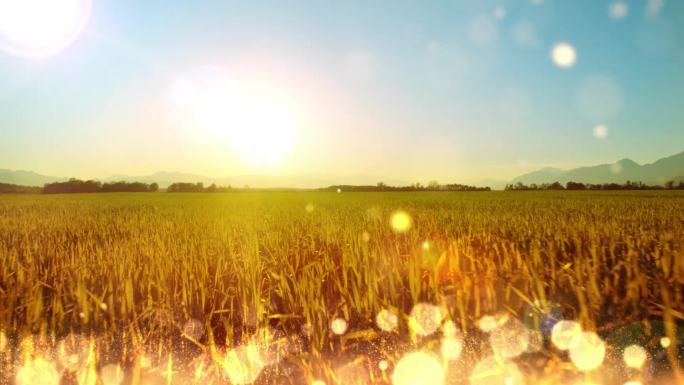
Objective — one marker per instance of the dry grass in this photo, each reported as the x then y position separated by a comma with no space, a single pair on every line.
132,269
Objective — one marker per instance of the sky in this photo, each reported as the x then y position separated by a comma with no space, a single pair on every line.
454,91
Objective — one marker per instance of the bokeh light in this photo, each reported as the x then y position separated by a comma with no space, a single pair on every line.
451,348
309,208
491,371
499,12
72,352
600,131
387,320
38,371
338,326
564,55
665,342
565,333
587,351
635,356
487,323
383,365
400,221
41,27
510,339
244,364
618,9
418,368
425,319
111,375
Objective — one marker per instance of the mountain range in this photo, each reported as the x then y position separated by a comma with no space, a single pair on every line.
658,172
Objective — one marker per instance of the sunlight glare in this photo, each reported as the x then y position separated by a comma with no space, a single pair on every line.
41,27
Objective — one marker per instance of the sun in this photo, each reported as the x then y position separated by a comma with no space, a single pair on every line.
256,122
41,27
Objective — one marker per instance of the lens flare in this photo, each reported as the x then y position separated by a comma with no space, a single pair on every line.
387,320
635,356
425,319
400,221
587,351
35,28
564,55
418,368
565,333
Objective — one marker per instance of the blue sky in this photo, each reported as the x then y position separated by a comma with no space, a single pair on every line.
412,90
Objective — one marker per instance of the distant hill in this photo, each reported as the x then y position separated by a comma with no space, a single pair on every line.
26,178
658,172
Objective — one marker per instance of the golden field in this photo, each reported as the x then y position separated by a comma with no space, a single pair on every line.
286,287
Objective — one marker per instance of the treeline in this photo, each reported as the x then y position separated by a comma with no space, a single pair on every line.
432,186
7,188
671,185
197,187
91,186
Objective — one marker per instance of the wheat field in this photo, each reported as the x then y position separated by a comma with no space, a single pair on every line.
314,288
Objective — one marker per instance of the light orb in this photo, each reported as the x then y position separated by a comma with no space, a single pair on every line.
510,339
600,131
400,221
665,342
383,365
565,333
244,364
338,326
451,348
635,356
564,55
425,319
418,368
618,9
309,208
38,371
588,351
111,375
387,320
487,323
38,28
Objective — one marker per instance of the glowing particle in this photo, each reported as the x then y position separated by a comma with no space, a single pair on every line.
387,320
338,326
318,382
510,339
103,306
499,12
425,319
616,168
600,131
618,9
633,382
426,245
418,368
451,348
339,190
111,375
37,372
487,323
492,371
587,351
564,333
564,55
635,356
365,236
400,221
383,365
665,342
309,208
